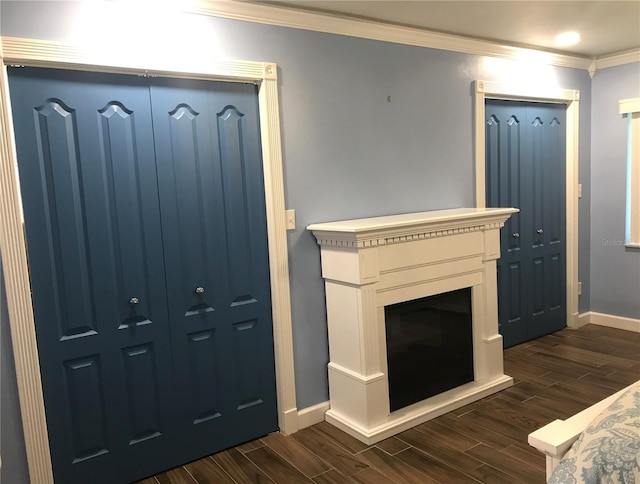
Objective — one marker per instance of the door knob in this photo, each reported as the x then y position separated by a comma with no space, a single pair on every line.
133,301
516,235
200,290
539,231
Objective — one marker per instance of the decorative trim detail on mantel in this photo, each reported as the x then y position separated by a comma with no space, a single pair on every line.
426,225
337,241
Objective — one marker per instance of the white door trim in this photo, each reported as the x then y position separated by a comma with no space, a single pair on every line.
12,243
571,98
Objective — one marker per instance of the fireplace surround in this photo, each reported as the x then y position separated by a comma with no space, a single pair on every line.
371,264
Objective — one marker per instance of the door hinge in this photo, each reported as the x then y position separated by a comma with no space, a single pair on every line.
579,288
579,190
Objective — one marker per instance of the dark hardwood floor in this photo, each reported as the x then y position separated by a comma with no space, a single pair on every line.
486,441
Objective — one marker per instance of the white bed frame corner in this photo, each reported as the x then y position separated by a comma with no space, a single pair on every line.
555,438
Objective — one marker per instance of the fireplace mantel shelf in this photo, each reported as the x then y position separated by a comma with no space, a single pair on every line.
369,264
375,231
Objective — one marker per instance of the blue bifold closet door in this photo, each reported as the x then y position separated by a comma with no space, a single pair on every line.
146,237
525,168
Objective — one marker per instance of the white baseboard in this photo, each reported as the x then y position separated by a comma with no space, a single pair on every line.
582,320
312,415
611,321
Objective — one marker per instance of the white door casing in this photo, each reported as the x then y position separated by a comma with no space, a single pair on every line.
39,53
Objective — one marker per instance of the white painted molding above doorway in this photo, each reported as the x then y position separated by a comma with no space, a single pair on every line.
484,90
40,53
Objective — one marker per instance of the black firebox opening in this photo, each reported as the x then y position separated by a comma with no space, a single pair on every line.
429,346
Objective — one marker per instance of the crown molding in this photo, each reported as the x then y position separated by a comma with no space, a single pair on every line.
297,19
46,53
614,60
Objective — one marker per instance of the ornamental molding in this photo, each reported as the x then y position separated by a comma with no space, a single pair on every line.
428,225
361,241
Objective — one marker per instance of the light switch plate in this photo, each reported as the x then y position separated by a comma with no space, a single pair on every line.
291,219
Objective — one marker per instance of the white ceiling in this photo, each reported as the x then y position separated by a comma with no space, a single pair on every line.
606,27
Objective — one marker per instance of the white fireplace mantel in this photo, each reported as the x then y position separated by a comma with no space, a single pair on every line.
371,263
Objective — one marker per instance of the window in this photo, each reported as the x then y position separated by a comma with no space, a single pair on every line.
631,108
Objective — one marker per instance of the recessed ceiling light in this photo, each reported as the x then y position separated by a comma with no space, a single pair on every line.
567,38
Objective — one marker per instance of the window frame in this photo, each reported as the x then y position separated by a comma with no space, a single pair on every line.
631,109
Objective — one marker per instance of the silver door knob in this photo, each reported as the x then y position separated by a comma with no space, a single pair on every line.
539,231
199,290
516,235
134,300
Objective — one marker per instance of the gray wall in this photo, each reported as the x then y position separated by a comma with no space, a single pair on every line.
615,271
14,460
348,152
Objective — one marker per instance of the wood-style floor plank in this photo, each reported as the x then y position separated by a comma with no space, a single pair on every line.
248,446
525,453
351,444
434,430
467,426
436,449
370,476
206,471
332,477
329,450
392,445
393,468
239,468
433,468
291,450
179,475
274,466
487,474
556,376
523,472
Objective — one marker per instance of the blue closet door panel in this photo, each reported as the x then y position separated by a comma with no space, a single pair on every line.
513,172
246,342
550,224
525,159
204,376
556,271
504,188
538,303
230,124
84,385
196,269
66,245
537,160
212,205
142,392
235,107
127,196
492,159
555,200
87,173
514,293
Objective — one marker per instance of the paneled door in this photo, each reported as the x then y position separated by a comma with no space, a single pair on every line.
216,256
146,237
525,168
